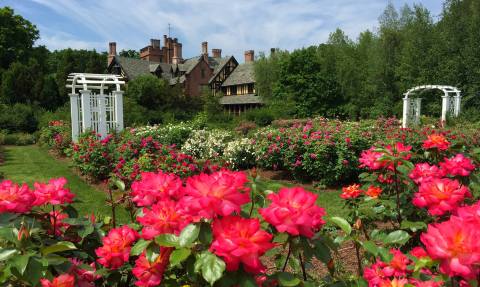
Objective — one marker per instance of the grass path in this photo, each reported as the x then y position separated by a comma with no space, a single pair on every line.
33,163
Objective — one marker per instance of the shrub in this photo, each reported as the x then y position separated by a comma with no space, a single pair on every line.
94,156
207,144
261,116
56,136
245,127
240,154
170,134
18,118
16,139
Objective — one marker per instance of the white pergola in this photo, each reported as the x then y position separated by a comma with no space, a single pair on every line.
412,107
96,103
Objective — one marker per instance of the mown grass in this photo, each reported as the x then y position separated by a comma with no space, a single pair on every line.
27,164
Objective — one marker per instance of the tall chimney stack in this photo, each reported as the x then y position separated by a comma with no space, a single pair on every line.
177,53
249,56
155,43
205,48
112,51
217,53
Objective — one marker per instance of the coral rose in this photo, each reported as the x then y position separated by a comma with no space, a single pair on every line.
373,191
437,141
240,240
351,191
15,198
154,186
150,274
455,244
294,210
440,195
53,192
457,165
64,280
220,193
166,216
116,247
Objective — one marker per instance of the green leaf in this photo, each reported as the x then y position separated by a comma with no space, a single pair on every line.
58,247
280,238
342,223
179,255
287,279
20,263
152,252
167,240
188,235
413,226
371,247
119,184
139,247
7,253
34,271
205,235
397,237
54,259
210,266
322,252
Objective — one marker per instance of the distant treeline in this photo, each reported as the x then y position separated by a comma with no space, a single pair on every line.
366,77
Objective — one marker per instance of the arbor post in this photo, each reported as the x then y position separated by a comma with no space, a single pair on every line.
445,103
406,106
118,95
86,110
74,112
458,99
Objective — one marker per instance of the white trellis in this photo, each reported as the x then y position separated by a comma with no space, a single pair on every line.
412,107
96,103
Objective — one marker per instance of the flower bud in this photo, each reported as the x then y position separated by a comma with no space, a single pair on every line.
358,224
23,233
331,266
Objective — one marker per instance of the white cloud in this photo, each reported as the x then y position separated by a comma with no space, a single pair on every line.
234,26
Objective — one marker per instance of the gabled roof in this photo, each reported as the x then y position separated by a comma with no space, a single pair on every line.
243,74
136,67
133,67
221,62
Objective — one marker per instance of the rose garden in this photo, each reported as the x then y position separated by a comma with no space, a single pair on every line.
349,162
198,213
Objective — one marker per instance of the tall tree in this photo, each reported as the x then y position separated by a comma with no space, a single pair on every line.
17,36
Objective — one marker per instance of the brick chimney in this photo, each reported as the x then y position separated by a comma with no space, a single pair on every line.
155,43
249,56
152,52
272,51
112,51
217,53
205,48
177,52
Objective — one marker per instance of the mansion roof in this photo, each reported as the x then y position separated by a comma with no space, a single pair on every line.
243,74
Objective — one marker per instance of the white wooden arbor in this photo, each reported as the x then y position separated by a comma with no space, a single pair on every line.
451,100
96,103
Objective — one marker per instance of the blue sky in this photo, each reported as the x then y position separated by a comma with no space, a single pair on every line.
233,26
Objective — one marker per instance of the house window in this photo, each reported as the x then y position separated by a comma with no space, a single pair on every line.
233,90
250,89
203,73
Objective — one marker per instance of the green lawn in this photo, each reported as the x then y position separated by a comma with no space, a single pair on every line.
32,163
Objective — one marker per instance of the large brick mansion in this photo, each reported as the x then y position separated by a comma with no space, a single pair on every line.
221,74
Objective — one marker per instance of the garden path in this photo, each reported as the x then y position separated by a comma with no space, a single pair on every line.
33,163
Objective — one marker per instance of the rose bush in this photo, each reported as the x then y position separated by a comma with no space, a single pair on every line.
194,232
